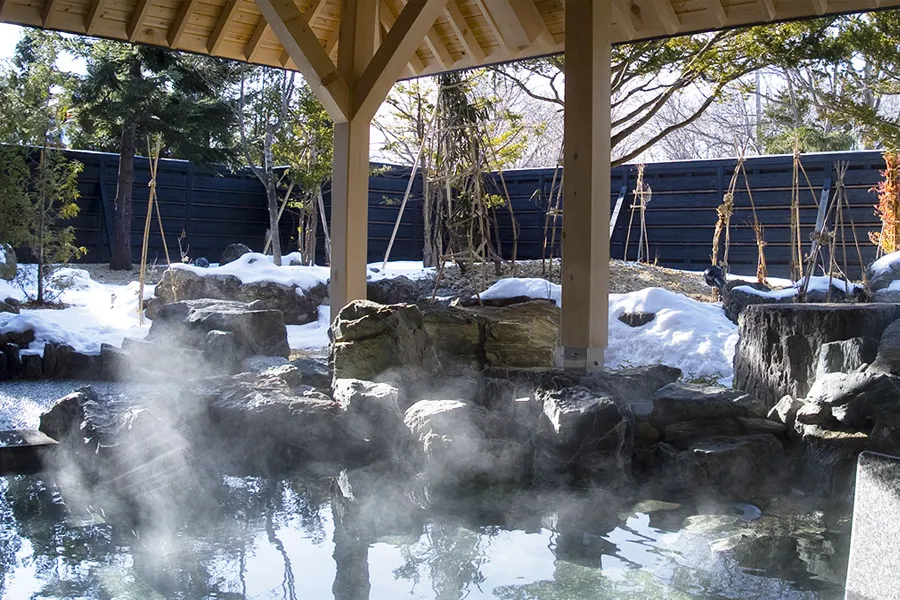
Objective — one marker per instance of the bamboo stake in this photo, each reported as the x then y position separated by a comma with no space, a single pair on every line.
152,196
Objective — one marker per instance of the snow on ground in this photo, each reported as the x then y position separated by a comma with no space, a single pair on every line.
409,268
531,287
312,336
97,313
884,264
254,267
817,283
694,336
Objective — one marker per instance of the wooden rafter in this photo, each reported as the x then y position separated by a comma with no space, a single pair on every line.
387,18
437,47
624,18
769,7
534,24
492,25
49,9
718,12
391,58
513,33
181,22
132,30
820,6
463,32
259,32
218,33
93,17
667,16
306,51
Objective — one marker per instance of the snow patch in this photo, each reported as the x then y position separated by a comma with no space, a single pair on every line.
312,336
254,268
817,283
884,264
530,287
693,336
412,269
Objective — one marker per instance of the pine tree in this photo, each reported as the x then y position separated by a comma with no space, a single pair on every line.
131,91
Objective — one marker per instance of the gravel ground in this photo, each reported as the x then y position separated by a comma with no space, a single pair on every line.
624,277
102,273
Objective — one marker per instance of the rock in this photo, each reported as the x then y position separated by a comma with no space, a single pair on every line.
188,322
258,364
846,356
636,319
679,402
50,360
645,432
856,399
785,411
581,433
815,413
260,424
683,435
394,290
221,350
22,339
32,366
232,252
522,335
13,360
10,305
8,264
4,372
885,434
778,350
740,294
377,342
881,273
829,458
313,372
730,465
457,441
887,296
458,334
298,306
372,410
887,357
65,417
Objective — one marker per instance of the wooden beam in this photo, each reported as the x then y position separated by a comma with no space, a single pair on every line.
311,14
670,22
586,204
262,29
49,7
463,32
492,25
514,35
218,33
306,51
820,6
624,18
769,8
133,29
533,23
93,17
387,18
438,49
404,37
718,12
181,22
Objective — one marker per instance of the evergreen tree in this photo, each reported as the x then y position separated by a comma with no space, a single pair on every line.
132,91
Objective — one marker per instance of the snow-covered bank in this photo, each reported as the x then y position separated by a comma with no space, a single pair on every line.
96,313
312,336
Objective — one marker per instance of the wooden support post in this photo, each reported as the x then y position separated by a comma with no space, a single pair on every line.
585,266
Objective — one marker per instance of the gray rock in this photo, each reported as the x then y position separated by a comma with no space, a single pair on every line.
881,279
65,416
10,305
220,349
740,294
683,435
8,263
457,440
730,465
314,372
32,366
393,290
785,411
815,413
856,399
828,457
232,252
885,434
375,342
188,322
115,363
887,359
258,363
522,335
298,306
373,410
458,334
778,350
4,373
13,360
637,319
846,356
678,402
887,296
22,339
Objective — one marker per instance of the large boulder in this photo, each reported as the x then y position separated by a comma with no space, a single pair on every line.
679,402
298,305
372,410
828,457
232,252
881,273
856,399
739,295
778,350
457,441
520,335
393,290
377,342
8,264
887,356
846,356
10,305
457,333
256,330
581,435
736,466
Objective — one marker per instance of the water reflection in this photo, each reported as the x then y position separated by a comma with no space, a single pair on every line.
295,538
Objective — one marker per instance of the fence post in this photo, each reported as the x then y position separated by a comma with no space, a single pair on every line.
188,199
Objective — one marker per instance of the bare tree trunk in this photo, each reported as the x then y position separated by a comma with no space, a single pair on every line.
120,259
272,203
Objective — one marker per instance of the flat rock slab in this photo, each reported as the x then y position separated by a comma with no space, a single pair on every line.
22,451
874,551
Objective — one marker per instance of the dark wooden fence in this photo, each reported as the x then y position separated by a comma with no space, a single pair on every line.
217,207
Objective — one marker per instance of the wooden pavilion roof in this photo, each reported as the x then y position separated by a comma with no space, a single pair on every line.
467,33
